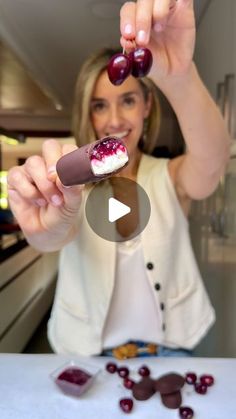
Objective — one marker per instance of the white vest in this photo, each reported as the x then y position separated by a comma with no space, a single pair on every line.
87,274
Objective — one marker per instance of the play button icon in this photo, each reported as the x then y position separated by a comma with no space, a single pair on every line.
117,209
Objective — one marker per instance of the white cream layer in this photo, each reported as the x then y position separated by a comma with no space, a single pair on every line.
110,163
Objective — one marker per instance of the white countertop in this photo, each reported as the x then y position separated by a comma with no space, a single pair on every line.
27,391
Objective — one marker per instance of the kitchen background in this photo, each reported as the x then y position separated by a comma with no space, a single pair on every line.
42,45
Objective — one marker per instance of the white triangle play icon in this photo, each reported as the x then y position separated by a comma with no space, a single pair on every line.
117,210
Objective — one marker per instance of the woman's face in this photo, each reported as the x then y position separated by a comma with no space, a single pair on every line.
119,110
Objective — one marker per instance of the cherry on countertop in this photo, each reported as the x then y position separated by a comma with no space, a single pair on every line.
126,405
190,377
200,388
111,367
128,383
144,371
123,372
186,412
207,380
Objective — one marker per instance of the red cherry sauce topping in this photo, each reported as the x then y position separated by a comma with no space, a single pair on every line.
119,68
207,380
186,412
123,372
190,378
111,367
144,371
142,60
128,383
126,405
200,388
74,376
108,147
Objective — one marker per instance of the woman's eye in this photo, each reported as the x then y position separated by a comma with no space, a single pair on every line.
98,107
129,101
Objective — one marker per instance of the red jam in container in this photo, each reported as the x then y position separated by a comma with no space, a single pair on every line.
74,379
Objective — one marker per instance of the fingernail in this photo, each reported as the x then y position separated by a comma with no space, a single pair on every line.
141,37
52,169
52,173
56,200
128,29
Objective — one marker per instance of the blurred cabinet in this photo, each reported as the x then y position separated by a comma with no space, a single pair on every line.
215,44
213,220
27,286
215,56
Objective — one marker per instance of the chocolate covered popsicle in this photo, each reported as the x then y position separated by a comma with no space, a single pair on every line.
92,162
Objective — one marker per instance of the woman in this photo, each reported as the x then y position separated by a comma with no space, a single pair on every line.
108,296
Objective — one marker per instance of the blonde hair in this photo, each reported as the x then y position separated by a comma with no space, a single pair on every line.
81,122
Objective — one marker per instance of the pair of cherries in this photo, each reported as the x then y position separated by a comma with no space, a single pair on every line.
138,63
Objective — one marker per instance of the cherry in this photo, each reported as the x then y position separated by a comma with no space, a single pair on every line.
111,367
119,68
200,388
108,147
207,380
190,378
123,372
128,383
141,59
185,412
144,371
126,405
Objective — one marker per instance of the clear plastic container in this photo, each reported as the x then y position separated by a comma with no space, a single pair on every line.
75,378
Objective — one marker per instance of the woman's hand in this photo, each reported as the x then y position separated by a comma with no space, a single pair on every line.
45,210
166,27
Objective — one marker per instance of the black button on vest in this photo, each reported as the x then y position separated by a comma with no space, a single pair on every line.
163,327
162,305
157,286
150,266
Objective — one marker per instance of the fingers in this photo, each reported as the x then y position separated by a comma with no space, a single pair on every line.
30,187
128,21
137,20
32,184
19,206
31,180
143,21
68,148
72,194
161,9
36,169
20,185
51,151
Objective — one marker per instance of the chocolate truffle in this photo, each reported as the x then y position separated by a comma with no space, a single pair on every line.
173,400
92,162
144,389
169,383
